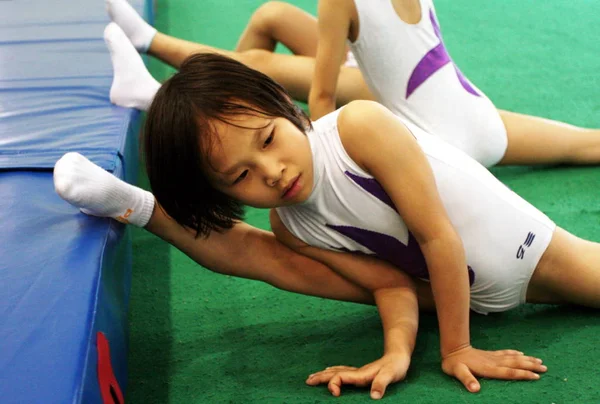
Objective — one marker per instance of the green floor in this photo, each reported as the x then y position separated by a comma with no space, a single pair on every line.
198,337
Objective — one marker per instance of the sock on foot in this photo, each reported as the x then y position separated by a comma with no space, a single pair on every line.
97,192
139,32
132,85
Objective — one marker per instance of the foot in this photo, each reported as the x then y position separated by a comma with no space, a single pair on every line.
132,85
97,192
139,32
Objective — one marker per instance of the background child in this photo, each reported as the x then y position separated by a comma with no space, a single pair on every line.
447,104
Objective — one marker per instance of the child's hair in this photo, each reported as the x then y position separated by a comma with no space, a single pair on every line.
179,134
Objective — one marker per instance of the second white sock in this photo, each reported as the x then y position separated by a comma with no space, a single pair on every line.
133,86
139,32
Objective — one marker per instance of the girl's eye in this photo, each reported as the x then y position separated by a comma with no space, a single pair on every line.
269,140
241,177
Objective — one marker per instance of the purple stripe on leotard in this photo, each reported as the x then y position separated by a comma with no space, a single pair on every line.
373,187
407,257
433,61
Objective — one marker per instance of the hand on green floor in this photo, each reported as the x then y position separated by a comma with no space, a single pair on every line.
379,374
468,362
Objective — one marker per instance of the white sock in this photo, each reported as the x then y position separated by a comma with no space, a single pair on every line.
140,33
133,86
99,193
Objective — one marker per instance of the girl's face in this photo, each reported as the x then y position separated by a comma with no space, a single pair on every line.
265,163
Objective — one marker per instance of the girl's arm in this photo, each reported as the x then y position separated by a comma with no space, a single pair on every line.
377,141
334,23
396,298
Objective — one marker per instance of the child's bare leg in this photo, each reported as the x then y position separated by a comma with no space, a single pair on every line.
277,21
293,72
533,140
243,251
568,272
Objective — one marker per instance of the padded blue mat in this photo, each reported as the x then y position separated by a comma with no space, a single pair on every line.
64,276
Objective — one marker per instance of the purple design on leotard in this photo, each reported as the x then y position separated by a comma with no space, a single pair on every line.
433,61
407,257
373,187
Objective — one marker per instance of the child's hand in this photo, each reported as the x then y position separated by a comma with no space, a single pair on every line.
468,362
390,368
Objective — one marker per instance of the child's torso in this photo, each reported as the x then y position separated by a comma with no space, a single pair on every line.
349,211
409,70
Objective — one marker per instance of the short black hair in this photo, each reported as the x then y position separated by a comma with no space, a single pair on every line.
178,134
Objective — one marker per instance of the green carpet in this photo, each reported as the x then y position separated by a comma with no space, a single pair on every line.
198,337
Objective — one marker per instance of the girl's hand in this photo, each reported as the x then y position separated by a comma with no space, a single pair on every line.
468,362
390,368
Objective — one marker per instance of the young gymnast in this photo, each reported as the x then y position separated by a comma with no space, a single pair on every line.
255,254
362,181
399,48
470,120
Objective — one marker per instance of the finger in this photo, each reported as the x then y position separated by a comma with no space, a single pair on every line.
382,380
340,368
335,385
505,352
509,373
526,363
320,378
464,375
325,375
359,379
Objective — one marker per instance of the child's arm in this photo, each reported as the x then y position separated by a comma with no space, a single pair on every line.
334,22
376,140
396,299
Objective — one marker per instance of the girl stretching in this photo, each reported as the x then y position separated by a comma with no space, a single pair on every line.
362,181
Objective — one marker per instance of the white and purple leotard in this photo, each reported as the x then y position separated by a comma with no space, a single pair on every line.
503,235
409,70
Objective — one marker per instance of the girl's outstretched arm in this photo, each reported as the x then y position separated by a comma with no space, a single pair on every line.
334,22
396,298
378,142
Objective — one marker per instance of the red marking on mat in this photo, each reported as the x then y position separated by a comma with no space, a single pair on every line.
109,387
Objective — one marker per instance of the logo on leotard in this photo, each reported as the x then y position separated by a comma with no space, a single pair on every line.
433,61
523,247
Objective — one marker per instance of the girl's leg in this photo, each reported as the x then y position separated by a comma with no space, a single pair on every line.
533,140
568,272
277,21
293,72
243,251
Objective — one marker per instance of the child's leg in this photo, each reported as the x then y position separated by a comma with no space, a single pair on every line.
568,272
243,251
277,21
293,72
132,85
533,140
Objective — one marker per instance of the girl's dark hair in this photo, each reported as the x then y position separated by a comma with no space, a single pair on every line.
178,134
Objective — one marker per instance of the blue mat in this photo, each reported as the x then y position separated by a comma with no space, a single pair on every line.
64,276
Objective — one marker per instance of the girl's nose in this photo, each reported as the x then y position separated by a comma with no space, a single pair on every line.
273,174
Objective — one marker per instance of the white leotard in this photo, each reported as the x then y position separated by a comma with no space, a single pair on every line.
503,235
408,69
